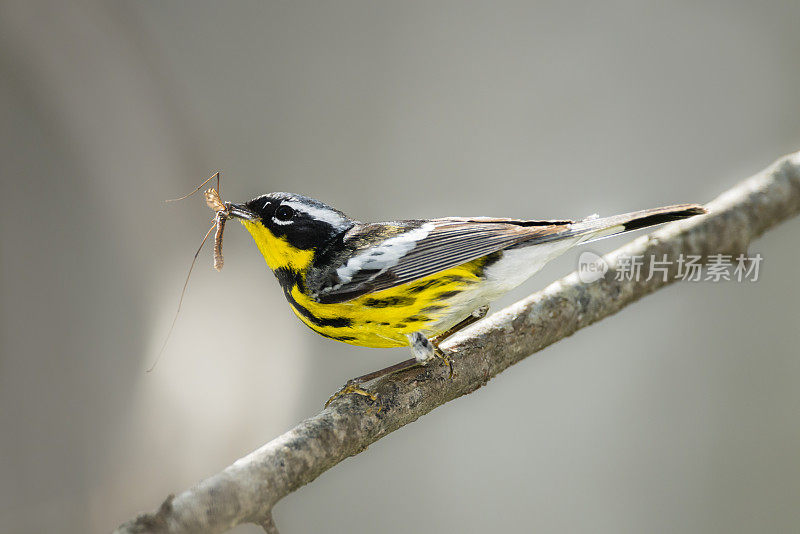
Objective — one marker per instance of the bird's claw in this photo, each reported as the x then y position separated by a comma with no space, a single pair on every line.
439,353
352,387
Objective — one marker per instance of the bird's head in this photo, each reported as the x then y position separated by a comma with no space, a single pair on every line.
289,228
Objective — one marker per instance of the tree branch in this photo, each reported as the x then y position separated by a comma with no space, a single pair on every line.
247,490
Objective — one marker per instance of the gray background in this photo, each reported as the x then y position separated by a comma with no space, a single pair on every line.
680,414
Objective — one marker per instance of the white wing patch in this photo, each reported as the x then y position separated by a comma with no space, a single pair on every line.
383,256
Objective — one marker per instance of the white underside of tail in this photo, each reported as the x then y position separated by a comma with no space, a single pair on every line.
518,264
605,232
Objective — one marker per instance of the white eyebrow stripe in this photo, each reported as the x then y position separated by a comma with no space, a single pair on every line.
320,214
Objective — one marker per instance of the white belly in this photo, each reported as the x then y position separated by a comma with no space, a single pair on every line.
513,268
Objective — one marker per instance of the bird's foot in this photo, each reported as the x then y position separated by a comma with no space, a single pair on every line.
352,387
441,355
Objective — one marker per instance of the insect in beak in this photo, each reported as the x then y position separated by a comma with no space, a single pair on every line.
222,212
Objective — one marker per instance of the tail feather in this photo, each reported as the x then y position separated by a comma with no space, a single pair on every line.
598,228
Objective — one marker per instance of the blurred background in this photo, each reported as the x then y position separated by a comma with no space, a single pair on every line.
679,414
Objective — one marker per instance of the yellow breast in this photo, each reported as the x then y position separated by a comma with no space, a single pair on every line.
383,318
379,319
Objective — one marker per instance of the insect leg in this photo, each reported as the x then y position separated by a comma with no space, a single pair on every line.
196,189
180,301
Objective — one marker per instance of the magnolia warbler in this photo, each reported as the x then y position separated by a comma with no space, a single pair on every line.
404,283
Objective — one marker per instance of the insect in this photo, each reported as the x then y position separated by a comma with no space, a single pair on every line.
221,215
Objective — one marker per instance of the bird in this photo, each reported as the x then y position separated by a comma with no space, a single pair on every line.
409,282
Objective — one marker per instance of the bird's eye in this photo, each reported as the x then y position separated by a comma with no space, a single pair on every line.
284,213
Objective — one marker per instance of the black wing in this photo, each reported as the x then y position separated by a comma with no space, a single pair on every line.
417,249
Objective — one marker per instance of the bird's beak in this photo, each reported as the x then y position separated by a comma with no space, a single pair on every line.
241,211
